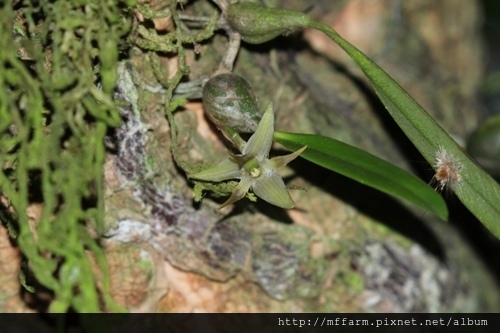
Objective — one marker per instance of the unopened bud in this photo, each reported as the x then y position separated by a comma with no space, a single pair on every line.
257,24
230,102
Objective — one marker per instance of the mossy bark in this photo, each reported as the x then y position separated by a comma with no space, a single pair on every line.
344,247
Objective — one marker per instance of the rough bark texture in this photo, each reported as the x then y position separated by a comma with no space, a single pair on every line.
345,247
334,252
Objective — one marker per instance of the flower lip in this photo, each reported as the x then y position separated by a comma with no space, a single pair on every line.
252,167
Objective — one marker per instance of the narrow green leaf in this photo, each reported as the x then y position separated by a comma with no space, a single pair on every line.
365,168
477,190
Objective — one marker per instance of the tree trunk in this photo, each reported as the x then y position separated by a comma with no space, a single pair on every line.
344,247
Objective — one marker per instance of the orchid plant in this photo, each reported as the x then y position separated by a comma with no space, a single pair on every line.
477,190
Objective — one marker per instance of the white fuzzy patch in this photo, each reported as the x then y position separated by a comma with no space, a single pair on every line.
127,231
448,171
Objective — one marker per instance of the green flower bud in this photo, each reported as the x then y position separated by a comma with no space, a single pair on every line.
230,102
258,24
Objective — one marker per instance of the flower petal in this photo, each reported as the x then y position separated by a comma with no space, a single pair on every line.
239,192
260,142
225,170
271,188
280,161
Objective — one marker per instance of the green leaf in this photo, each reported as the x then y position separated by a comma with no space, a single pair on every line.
477,190
365,168
484,145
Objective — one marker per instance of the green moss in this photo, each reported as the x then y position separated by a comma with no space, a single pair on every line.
56,105
353,281
217,189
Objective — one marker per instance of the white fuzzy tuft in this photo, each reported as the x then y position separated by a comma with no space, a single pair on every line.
448,171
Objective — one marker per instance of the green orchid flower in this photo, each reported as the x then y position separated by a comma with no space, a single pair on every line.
254,169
